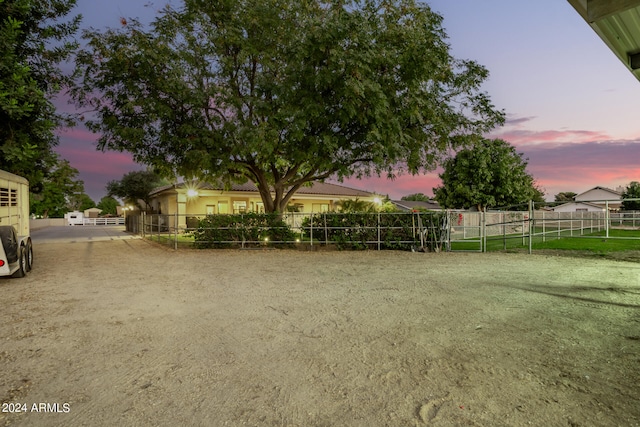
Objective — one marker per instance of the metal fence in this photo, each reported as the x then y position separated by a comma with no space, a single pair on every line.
411,231
502,230
424,231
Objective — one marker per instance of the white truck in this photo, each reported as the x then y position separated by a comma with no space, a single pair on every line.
16,251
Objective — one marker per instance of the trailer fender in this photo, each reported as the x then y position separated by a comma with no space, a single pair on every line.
10,242
22,262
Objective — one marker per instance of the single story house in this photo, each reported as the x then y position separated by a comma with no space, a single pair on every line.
578,207
199,199
602,197
92,212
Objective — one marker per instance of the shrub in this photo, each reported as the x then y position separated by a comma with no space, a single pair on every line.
357,231
248,229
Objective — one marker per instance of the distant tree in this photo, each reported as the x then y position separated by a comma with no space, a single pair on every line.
58,188
417,197
631,192
135,187
355,205
34,40
81,202
491,174
565,196
108,205
283,92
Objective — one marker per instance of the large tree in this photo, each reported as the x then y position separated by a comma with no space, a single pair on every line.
135,187
108,205
60,189
491,174
35,39
283,92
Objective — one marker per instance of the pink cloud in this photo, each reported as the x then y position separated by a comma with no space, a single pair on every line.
401,186
555,167
520,137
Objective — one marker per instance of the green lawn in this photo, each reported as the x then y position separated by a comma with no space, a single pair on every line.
619,240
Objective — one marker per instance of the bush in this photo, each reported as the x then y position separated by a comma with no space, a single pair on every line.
249,229
357,231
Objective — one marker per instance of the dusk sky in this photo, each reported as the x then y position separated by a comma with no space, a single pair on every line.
570,102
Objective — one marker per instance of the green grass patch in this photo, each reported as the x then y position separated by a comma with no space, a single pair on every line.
596,242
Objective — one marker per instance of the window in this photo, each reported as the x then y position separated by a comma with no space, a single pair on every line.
8,197
239,206
320,207
223,207
211,209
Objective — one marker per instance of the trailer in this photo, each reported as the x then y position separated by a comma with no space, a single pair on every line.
16,251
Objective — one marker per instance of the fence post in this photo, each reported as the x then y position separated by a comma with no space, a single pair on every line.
504,230
175,230
326,232
606,218
530,226
378,230
311,230
483,231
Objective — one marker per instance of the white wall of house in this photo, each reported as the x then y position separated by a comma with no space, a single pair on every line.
577,207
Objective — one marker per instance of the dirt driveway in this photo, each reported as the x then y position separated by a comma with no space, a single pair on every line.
125,332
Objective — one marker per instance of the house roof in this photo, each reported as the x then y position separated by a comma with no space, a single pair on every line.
317,188
413,205
613,192
616,22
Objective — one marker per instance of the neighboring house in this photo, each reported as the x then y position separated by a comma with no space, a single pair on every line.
409,205
578,207
602,197
206,199
92,213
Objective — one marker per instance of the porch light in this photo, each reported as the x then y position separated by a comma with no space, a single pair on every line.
192,193
377,200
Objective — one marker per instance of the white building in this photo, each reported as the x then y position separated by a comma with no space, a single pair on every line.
602,197
596,199
578,207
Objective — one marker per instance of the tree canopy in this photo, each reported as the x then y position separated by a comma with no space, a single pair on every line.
135,187
491,174
108,205
283,92
61,191
416,197
631,192
565,196
35,41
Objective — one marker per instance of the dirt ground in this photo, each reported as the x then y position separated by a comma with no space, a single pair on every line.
134,334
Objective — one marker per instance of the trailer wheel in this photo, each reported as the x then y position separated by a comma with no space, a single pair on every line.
22,262
29,264
9,242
